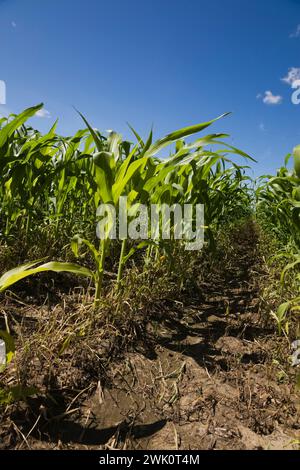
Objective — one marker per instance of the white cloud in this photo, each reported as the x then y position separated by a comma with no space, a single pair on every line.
296,33
258,96
292,75
43,113
14,24
262,127
269,98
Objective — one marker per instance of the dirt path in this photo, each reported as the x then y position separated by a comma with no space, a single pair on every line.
208,380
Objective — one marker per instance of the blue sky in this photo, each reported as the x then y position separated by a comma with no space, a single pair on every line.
169,63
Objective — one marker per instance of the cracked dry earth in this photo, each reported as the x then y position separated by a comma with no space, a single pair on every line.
210,382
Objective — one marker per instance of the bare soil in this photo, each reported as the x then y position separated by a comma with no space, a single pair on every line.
209,372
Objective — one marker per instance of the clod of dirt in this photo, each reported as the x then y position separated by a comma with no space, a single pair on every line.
235,346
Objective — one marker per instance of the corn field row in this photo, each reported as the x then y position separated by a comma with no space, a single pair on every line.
54,185
51,187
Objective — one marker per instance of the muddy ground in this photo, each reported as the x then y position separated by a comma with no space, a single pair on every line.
211,373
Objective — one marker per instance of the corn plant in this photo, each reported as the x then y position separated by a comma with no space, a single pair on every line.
52,180
279,201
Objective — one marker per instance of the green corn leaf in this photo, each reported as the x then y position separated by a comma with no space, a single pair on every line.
12,126
179,134
16,274
122,181
96,138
